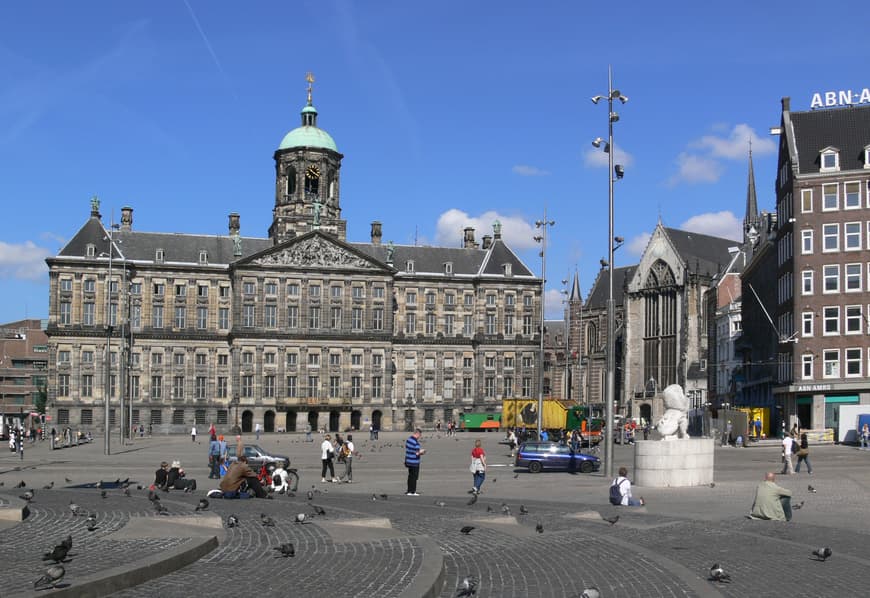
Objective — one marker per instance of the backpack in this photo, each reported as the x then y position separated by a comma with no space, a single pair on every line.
616,493
345,451
794,446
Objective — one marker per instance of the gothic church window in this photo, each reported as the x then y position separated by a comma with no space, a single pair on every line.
660,325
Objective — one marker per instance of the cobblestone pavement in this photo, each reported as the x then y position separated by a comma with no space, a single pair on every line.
364,547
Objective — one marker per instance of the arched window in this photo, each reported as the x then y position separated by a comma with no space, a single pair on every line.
660,325
591,338
291,180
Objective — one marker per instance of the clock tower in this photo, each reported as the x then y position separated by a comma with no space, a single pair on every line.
307,190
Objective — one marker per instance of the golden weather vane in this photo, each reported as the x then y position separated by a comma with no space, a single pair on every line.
310,78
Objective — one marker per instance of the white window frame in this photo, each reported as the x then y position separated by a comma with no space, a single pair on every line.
858,268
828,153
835,309
855,319
857,205
807,366
836,205
855,236
806,241
806,200
867,165
807,277
849,359
831,363
826,276
831,230
808,318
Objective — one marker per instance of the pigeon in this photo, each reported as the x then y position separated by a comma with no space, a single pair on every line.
68,481
266,520
21,484
611,520
319,510
811,489
823,554
799,505
712,484
57,554
286,549
523,510
440,503
300,518
48,486
592,592
467,587
374,497
539,528
51,577
489,509
232,521
505,510
311,495
516,475
494,480
92,522
717,573
203,505
472,500
28,496
467,529
383,496
103,494
74,508
139,487
67,541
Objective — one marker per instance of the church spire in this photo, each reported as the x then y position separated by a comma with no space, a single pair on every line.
750,219
575,289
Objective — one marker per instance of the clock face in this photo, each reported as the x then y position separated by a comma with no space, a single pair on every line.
313,172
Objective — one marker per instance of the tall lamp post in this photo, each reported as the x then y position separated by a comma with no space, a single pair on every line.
542,239
613,172
567,293
110,234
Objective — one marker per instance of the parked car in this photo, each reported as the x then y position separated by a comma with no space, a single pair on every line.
538,456
258,456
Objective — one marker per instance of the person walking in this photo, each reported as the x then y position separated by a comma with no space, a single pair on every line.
224,454
347,450
478,466
327,454
787,450
758,428
308,437
803,456
413,452
620,491
193,434
865,437
512,442
771,501
257,430
214,458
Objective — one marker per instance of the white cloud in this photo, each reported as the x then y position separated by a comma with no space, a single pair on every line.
595,158
554,309
692,168
526,170
515,231
718,224
637,245
25,261
735,146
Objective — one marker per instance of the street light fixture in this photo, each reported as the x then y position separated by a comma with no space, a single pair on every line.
542,239
614,172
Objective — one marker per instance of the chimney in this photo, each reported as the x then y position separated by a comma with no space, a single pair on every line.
126,218
376,233
786,104
234,224
468,242
487,242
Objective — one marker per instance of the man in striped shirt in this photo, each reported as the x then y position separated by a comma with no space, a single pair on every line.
413,452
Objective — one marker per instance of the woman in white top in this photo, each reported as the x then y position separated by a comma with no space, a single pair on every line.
327,454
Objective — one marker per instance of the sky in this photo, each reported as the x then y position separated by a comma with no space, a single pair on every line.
449,114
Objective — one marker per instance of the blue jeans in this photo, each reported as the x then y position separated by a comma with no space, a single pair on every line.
479,476
805,458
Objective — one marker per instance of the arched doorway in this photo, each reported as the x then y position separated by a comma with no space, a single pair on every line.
333,420
290,424
376,419
355,419
312,420
247,421
646,413
269,421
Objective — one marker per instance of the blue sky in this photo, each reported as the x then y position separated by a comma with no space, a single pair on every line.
449,114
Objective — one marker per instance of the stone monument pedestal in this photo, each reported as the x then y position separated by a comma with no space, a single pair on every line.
673,463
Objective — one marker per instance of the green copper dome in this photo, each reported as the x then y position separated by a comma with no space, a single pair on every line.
308,135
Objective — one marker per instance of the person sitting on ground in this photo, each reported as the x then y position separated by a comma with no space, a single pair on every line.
280,480
772,502
160,476
240,472
620,491
175,478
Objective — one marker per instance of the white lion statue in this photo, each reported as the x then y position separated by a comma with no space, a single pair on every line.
675,420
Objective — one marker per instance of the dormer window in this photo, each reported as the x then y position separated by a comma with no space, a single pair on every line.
158,256
867,156
90,250
409,266
448,268
203,257
830,159
507,269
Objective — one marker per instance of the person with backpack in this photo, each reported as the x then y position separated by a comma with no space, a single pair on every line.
345,455
620,491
